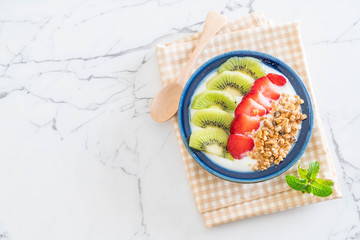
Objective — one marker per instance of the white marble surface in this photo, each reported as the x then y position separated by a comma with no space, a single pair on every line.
80,157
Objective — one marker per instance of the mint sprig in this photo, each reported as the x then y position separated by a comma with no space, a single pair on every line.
308,183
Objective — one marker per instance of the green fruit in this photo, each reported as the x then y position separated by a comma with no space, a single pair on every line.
235,83
210,140
229,156
212,118
214,99
248,65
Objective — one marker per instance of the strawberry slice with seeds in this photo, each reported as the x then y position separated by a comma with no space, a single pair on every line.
250,107
239,144
243,124
276,79
260,99
267,89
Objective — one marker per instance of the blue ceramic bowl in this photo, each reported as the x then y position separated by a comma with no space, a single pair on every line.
246,177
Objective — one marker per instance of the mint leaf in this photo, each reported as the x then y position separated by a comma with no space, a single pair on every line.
325,182
295,183
313,170
302,172
320,190
309,183
306,189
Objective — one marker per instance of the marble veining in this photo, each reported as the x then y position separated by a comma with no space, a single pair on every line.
82,159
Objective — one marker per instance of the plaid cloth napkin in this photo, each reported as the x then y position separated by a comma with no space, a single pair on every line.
220,201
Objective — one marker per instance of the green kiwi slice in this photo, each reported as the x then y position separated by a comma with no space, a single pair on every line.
210,140
233,82
214,99
248,65
229,156
212,117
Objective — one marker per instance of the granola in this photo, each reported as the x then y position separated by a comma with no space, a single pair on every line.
278,133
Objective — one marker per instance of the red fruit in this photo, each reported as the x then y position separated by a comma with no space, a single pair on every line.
250,107
243,124
239,144
260,99
266,88
276,79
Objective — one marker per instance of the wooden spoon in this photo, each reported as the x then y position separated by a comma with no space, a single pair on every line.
166,102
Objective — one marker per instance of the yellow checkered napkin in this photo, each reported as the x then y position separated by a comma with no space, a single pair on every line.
220,201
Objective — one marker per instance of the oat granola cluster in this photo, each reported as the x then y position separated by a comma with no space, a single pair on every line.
280,128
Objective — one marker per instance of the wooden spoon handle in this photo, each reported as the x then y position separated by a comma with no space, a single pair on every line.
213,23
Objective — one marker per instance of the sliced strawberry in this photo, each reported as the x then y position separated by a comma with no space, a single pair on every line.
260,99
243,124
250,107
266,88
239,144
276,79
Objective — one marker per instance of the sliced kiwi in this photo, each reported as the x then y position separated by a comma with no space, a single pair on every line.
210,140
248,65
233,82
212,118
229,156
214,99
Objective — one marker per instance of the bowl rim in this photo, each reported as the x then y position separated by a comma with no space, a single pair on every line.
246,53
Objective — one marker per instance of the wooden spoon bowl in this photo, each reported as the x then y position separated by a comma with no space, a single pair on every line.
165,103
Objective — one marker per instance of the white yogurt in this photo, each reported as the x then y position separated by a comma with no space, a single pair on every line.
245,164
240,165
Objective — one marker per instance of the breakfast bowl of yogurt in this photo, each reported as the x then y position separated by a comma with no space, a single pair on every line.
245,116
